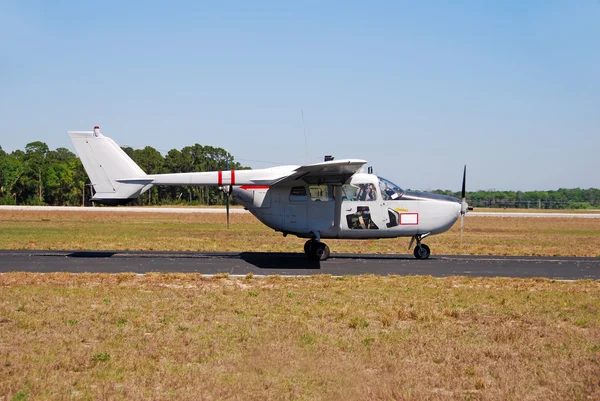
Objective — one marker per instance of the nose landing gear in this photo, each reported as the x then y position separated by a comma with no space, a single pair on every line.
316,250
421,251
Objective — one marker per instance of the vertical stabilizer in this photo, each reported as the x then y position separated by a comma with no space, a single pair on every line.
105,163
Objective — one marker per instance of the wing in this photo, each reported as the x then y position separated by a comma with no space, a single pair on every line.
331,172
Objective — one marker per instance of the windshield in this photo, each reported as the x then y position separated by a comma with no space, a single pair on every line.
389,190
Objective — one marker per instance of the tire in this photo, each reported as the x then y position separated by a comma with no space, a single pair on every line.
320,252
422,251
307,247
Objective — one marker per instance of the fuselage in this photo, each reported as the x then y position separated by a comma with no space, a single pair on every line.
367,206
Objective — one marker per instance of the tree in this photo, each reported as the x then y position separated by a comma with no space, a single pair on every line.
11,170
35,161
63,184
151,161
174,163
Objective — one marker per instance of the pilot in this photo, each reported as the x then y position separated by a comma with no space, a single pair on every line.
361,194
366,192
371,193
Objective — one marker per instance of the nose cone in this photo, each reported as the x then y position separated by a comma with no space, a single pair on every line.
443,215
438,212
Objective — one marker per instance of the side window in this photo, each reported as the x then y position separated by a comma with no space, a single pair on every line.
359,192
349,192
298,194
320,193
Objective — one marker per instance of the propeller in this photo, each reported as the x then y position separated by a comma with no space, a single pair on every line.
227,190
464,206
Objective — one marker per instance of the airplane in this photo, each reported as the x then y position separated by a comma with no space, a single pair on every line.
326,200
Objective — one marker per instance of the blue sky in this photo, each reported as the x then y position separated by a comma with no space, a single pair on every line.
512,88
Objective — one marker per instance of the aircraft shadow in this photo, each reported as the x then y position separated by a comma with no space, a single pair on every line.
373,256
262,260
279,260
91,254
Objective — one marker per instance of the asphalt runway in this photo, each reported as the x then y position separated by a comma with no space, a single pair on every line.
293,264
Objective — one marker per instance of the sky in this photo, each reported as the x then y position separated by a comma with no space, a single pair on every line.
418,89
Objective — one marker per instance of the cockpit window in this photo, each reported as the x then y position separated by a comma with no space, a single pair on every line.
389,190
359,192
320,193
298,194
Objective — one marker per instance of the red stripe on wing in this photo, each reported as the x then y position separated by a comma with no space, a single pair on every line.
252,187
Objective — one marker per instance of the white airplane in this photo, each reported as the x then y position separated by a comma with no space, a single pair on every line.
332,199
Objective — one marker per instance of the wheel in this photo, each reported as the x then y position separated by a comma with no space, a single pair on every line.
319,252
422,251
307,247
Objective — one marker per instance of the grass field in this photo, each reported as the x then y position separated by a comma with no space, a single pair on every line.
185,337
207,232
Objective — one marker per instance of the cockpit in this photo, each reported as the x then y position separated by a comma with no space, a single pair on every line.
389,190
363,188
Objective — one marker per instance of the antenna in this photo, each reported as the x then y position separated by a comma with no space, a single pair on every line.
305,138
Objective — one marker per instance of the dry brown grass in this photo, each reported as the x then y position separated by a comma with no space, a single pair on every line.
185,337
207,232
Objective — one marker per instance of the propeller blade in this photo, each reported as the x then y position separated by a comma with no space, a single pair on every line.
464,185
463,202
464,206
228,192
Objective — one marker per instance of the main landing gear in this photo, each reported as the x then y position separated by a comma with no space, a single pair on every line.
421,251
316,250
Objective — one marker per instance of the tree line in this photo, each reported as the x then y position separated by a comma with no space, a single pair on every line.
562,198
40,176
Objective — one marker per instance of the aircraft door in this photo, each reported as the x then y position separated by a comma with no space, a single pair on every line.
295,217
295,210
362,209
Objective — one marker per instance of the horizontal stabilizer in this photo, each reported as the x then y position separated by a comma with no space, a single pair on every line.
144,181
